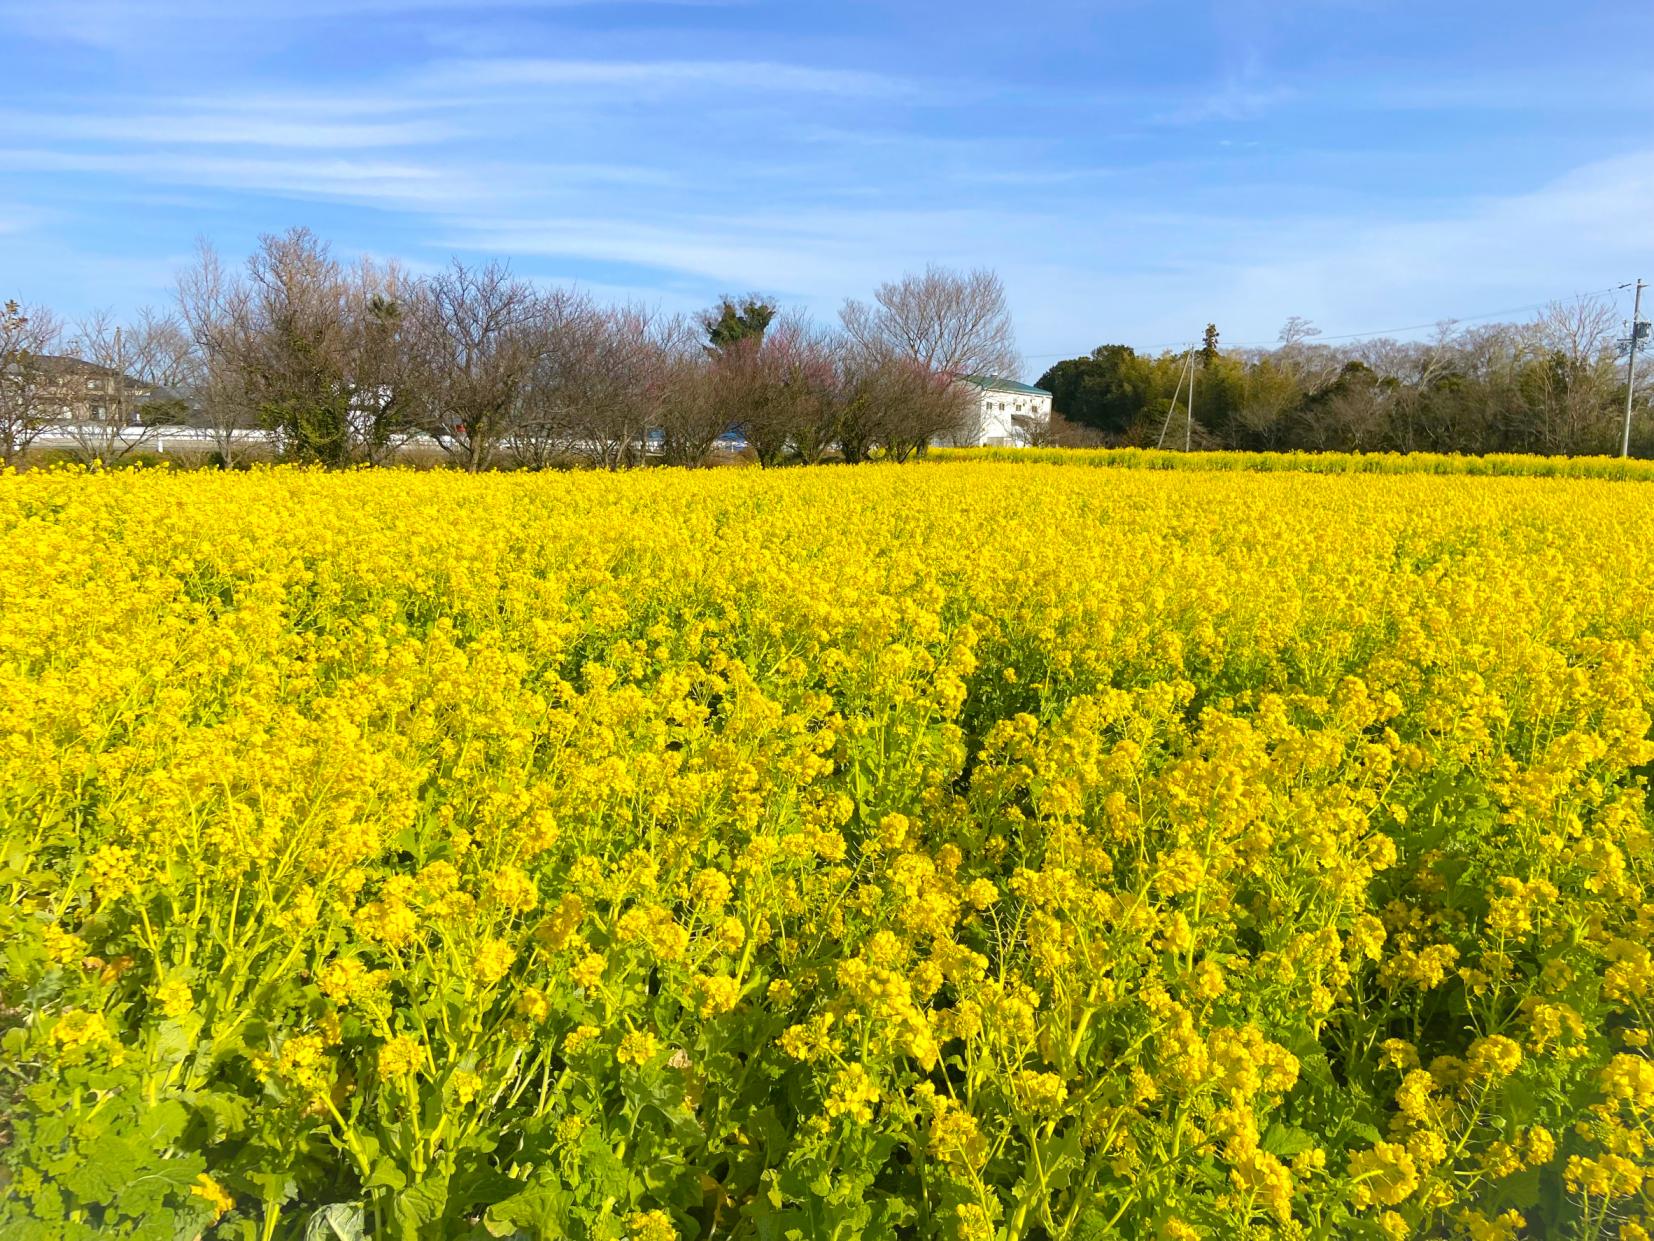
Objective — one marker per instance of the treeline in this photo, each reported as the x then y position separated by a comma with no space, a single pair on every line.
348,364
1555,385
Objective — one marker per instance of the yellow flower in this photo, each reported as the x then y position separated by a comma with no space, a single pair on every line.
1038,1094
637,1047
493,960
512,890
78,1030
853,1094
1386,1175
972,1223
558,929
347,981
533,1004
213,1194
588,972
400,1056
811,1040
712,889
1494,1056
465,1085
718,993
864,786
174,997
650,1226
893,830
63,947
580,1037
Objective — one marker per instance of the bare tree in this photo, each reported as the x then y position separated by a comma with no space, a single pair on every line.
477,335
1269,394
1038,430
1296,330
894,402
546,429
618,381
690,419
866,395
217,314
1582,331
925,406
29,400
957,323
314,351
780,389
141,372
383,371
300,336
1572,387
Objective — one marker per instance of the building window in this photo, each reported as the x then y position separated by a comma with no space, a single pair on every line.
94,385
100,412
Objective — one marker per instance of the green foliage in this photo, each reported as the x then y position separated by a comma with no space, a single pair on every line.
1209,345
734,322
1109,391
1511,389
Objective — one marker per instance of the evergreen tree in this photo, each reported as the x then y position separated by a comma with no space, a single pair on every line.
1209,346
732,322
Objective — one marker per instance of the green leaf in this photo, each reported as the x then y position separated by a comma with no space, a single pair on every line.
1286,1141
386,1175
416,1208
100,1179
1364,1131
337,1221
1522,1189
176,1037
161,1124
541,1210
225,1114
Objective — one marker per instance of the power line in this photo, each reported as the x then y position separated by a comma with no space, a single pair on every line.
1391,331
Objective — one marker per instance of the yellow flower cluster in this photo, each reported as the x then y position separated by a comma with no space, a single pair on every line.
968,850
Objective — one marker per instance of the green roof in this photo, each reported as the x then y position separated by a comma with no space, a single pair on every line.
994,383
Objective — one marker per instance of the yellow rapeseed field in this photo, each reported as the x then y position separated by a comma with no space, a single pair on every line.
965,850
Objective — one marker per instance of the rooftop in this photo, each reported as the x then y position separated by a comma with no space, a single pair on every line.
993,383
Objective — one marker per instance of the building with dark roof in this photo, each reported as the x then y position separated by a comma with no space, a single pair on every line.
1008,412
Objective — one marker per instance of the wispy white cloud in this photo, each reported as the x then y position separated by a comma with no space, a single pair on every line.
373,182
423,188
815,256
80,20
659,75
227,127
711,249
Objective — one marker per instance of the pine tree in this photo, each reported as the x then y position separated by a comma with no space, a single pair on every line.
1209,346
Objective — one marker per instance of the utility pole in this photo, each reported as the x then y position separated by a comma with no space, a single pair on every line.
1631,366
1189,427
1171,410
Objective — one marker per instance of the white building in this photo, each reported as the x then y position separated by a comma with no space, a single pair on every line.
1008,412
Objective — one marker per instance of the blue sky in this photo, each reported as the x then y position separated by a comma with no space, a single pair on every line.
1132,170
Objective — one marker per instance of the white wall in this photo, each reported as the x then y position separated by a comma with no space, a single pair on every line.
998,408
